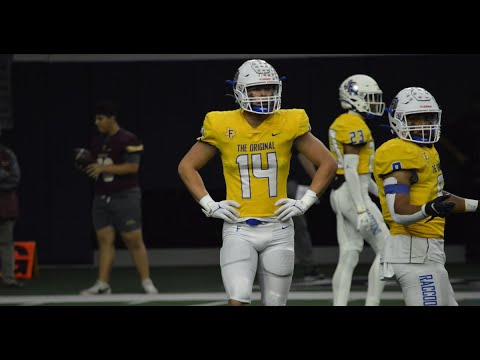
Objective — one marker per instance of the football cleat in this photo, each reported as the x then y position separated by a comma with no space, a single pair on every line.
99,288
148,287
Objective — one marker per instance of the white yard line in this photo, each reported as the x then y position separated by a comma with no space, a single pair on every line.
213,298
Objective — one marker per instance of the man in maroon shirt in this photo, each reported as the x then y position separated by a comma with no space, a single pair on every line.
9,181
117,199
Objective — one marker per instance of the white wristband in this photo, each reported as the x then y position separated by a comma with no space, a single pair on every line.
204,201
309,198
471,205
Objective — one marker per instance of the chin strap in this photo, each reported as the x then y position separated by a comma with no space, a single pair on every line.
260,109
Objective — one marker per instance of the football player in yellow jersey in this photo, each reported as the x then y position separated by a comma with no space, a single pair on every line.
414,204
358,217
255,144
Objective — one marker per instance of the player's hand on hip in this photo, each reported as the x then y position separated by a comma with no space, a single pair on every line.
363,221
291,207
224,210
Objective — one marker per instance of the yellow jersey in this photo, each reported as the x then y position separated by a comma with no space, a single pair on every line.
398,154
351,129
256,161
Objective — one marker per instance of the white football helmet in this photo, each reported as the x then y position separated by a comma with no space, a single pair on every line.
415,100
362,94
253,73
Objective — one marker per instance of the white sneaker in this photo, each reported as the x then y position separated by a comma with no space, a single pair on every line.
149,287
99,288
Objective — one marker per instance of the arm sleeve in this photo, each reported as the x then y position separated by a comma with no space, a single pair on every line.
391,184
353,181
372,187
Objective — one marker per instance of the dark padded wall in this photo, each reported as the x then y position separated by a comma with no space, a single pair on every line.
164,104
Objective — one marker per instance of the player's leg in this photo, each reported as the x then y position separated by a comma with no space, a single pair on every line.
348,240
127,215
303,240
106,252
105,233
350,244
375,285
304,250
424,284
238,262
276,264
376,239
7,253
136,248
106,255
451,296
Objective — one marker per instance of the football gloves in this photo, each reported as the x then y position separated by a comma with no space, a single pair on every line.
291,207
438,207
363,221
224,209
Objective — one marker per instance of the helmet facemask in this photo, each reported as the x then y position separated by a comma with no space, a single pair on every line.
374,103
362,94
410,130
258,105
414,116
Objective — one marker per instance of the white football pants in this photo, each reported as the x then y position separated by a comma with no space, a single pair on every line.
266,250
351,241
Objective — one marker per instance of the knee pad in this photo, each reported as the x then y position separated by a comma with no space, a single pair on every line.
279,262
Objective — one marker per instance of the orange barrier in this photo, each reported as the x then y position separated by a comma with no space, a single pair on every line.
26,263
